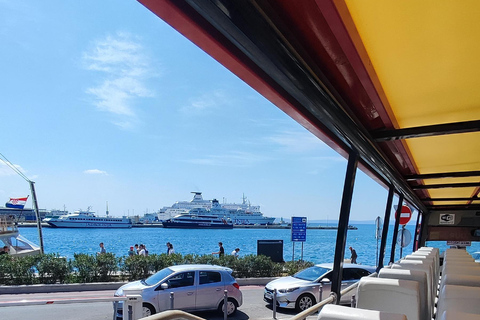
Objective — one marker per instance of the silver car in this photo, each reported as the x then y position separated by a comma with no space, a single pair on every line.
302,290
195,287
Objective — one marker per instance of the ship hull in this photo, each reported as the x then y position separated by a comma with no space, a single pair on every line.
196,225
81,224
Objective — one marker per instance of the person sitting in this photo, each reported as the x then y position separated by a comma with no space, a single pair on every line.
4,250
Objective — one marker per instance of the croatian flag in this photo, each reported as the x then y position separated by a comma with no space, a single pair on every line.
17,203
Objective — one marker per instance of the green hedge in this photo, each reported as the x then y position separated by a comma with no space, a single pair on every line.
85,268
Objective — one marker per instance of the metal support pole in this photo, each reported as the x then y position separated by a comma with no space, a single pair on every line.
115,307
37,214
274,304
293,251
130,312
416,237
302,252
401,241
395,231
343,224
386,221
225,304
172,298
423,226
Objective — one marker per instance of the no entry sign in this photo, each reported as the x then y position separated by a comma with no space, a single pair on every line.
405,215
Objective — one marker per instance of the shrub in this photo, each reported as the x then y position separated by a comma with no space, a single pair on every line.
107,265
85,267
52,268
135,267
292,267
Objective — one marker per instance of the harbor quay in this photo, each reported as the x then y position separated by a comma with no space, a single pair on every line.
159,225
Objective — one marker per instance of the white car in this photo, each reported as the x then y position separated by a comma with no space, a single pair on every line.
302,290
195,288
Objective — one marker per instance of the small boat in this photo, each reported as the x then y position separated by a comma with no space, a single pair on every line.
87,219
10,236
198,218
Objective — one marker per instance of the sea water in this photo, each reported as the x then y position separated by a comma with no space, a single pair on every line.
319,246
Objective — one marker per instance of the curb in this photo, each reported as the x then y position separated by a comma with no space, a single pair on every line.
98,286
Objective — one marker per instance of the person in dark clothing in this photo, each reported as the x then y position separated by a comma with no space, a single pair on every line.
221,251
353,258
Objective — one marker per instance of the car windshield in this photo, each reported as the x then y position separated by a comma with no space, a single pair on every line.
311,274
157,277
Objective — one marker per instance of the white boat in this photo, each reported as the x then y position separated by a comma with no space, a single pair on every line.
198,218
239,213
10,236
87,219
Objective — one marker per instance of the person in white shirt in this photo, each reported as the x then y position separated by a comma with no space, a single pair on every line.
235,252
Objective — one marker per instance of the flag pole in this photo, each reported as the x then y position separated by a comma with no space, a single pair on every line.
37,214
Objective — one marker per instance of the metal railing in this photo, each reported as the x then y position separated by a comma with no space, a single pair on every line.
331,299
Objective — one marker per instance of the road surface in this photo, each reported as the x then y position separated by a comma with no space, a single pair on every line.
253,307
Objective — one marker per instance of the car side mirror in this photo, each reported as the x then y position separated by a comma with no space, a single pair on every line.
325,280
163,286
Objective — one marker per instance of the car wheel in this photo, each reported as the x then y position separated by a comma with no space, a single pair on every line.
231,307
148,310
304,302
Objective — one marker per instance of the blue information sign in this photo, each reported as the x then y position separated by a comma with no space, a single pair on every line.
299,229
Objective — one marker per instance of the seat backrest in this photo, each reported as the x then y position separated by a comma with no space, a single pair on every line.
427,266
459,298
413,275
336,312
460,280
457,315
390,295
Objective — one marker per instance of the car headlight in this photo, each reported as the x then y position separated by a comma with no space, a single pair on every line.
119,293
287,290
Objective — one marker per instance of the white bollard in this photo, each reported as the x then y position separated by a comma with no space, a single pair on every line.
132,307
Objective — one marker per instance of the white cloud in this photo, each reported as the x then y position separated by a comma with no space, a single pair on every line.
296,141
122,61
95,171
233,159
7,171
205,102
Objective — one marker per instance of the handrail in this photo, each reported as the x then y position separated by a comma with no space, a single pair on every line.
305,313
26,302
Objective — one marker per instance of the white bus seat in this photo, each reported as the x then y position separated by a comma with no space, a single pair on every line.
457,315
459,298
413,275
390,295
460,280
427,259
336,312
429,268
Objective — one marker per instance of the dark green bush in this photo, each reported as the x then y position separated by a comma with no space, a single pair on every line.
107,265
52,268
86,268
18,270
135,267
292,267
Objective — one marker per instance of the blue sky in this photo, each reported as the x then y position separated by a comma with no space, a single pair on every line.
103,101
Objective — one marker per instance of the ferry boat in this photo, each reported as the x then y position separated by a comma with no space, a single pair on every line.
17,244
198,218
239,213
87,219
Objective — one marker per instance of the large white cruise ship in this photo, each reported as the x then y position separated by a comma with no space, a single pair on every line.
239,213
